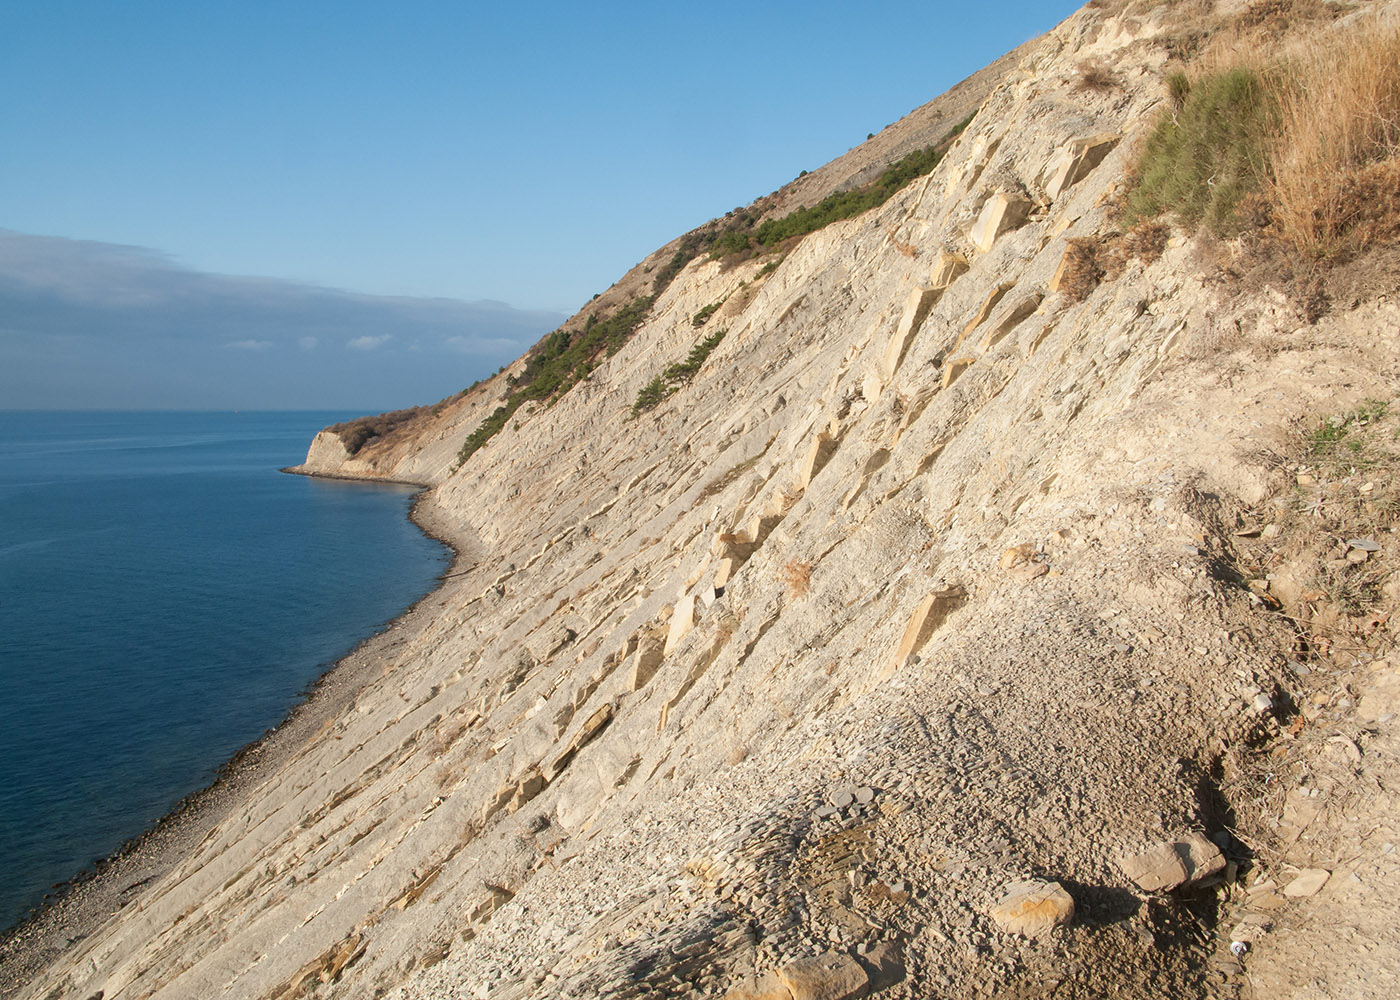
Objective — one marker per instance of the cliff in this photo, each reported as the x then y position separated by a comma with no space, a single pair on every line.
948,569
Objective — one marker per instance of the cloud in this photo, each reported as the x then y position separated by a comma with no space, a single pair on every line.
90,324
368,343
479,345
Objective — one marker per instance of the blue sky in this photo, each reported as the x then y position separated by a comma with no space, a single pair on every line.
523,153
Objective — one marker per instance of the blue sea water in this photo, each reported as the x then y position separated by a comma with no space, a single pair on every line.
166,595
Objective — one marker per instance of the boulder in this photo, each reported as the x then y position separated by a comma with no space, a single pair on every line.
1033,908
765,987
832,976
1174,863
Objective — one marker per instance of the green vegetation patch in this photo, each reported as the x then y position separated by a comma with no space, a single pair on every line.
1204,157
848,204
676,375
557,363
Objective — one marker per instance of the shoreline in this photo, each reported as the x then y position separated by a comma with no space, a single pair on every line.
79,905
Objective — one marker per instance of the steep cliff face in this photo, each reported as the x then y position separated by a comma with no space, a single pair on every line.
925,584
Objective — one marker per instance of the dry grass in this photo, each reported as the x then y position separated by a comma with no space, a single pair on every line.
1336,156
797,577
1096,77
1091,260
1082,269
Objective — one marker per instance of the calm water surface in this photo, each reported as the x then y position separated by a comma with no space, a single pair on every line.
165,597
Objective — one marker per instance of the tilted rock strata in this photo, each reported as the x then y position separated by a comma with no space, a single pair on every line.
624,756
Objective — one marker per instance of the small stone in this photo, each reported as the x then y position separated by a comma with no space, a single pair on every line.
843,798
1033,908
1357,555
1026,572
1308,882
1262,703
1363,544
1306,480
1253,927
865,795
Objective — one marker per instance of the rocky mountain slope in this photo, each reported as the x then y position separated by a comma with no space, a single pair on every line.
883,654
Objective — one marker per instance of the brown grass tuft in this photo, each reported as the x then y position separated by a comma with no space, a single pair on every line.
1146,241
1083,269
1336,157
797,576
1096,77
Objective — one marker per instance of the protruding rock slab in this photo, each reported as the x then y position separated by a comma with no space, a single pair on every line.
983,311
651,650
947,270
1019,314
954,368
1074,161
819,452
920,301
932,611
1003,211
833,976
1174,863
1033,908
682,621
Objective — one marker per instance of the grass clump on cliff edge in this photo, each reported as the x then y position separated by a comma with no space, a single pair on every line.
1335,188
1305,149
556,364
1201,160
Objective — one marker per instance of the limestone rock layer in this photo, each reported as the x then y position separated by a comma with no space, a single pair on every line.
910,594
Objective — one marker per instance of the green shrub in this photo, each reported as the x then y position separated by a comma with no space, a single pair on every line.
652,393
557,363
676,375
1201,160
684,371
700,318
731,242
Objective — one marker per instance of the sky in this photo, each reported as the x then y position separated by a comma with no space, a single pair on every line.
268,173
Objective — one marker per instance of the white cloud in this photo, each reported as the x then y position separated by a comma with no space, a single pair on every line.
249,345
368,343
483,345
307,343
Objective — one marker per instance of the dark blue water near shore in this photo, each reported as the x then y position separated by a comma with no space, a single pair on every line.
165,597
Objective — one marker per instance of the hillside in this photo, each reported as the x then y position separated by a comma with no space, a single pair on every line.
1002,606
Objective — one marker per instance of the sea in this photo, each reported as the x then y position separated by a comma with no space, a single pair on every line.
167,595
